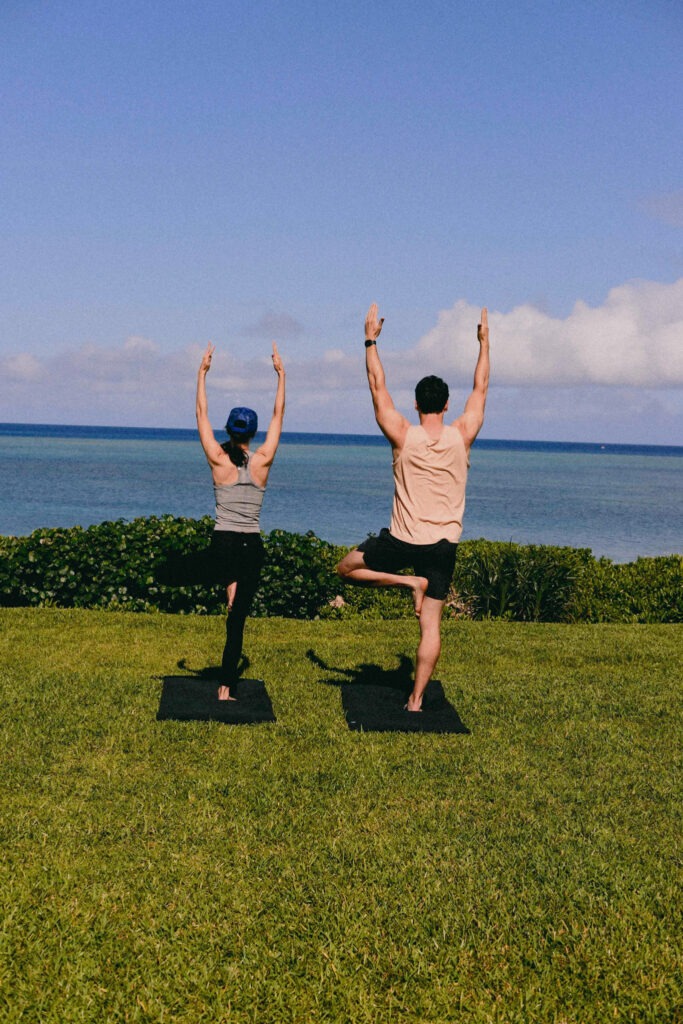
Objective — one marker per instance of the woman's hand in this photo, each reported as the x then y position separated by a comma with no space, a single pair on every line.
277,361
205,364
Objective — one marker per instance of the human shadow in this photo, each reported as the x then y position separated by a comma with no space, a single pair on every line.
368,674
373,698
211,671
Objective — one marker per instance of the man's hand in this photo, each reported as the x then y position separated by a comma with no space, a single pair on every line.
389,420
483,327
277,361
373,326
205,364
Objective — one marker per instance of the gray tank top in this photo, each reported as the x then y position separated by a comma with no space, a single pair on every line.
238,505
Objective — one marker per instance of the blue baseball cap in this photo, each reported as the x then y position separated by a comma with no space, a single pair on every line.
242,422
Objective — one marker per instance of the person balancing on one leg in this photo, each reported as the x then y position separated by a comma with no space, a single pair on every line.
235,556
430,474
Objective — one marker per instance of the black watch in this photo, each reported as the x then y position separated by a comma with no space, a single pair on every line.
370,341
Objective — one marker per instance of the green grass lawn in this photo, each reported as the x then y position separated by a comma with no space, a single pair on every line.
300,872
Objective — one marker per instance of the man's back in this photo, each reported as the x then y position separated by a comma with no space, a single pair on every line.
430,476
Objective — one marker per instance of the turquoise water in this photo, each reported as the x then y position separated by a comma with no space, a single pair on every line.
620,502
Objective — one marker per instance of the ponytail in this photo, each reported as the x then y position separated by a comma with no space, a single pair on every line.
237,455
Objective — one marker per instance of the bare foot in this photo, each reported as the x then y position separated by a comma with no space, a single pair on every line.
419,591
224,693
407,707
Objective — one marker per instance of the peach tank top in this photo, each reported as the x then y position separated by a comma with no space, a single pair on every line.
430,477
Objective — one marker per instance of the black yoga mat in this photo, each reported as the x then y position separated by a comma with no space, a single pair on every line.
374,697
380,708
189,699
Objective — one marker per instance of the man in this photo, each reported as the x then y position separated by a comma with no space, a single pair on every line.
430,475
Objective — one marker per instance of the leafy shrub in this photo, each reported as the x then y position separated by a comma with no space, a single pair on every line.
111,565
367,602
298,575
647,590
117,565
532,583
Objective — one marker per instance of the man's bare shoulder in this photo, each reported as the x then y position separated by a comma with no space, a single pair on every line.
395,429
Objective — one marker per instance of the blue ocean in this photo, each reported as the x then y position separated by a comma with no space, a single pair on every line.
620,501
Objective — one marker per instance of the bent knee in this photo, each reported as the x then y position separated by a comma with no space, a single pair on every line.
354,560
342,568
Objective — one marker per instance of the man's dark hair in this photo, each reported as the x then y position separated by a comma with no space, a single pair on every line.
431,394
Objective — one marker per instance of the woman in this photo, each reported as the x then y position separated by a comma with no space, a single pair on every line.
235,556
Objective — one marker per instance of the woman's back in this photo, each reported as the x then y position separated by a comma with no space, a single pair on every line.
238,504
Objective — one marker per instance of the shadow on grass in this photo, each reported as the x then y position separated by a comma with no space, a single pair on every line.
373,699
211,671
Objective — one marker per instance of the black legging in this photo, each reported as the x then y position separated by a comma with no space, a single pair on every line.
231,557
243,558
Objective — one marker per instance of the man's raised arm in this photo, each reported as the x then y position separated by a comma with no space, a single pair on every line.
390,421
470,423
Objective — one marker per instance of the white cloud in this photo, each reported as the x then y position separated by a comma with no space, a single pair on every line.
612,372
336,355
137,345
598,414
634,339
22,367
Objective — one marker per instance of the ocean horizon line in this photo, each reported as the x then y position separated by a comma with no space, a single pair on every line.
104,432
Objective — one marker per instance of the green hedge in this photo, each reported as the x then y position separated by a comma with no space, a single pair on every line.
114,565
532,583
647,590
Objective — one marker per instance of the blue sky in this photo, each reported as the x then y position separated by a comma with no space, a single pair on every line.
176,172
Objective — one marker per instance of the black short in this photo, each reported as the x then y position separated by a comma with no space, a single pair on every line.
434,561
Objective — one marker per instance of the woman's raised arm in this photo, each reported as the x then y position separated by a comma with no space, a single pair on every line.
267,450
213,451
